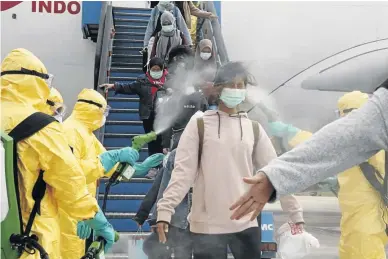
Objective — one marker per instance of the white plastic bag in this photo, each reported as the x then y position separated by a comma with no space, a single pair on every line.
295,246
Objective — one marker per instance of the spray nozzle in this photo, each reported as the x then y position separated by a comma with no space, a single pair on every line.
139,141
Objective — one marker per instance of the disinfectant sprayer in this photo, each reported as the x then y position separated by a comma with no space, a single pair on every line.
125,171
96,249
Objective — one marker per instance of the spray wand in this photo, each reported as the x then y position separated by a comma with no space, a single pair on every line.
96,249
125,171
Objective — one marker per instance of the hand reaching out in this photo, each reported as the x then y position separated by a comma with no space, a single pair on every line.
254,199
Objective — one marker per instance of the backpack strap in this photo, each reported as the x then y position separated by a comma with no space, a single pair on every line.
372,175
201,132
28,127
256,133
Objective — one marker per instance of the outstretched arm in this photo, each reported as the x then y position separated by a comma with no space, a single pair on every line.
336,147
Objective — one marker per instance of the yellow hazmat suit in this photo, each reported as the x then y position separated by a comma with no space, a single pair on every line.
22,95
53,103
85,118
364,215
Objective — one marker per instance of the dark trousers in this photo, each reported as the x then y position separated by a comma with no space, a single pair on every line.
178,241
243,245
155,146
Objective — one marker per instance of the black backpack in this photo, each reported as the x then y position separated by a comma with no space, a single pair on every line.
28,127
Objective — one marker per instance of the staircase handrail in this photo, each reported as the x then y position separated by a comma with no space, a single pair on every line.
103,53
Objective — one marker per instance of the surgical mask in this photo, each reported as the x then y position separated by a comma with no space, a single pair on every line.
156,74
232,97
205,55
168,28
58,117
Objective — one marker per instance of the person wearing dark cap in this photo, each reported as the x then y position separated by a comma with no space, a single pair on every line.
146,86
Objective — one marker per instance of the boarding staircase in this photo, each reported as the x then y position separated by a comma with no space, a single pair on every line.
124,64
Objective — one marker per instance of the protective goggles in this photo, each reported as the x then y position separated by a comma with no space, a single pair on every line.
24,71
346,111
57,108
106,110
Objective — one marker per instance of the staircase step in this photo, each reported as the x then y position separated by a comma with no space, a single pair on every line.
130,29
122,49
137,58
135,186
130,21
121,206
124,115
114,79
124,111
112,148
126,70
124,127
136,41
136,123
127,64
122,197
118,14
119,139
127,224
132,8
122,78
123,103
130,35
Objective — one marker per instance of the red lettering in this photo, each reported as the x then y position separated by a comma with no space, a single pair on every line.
72,10
59,7
46,6
34,6
72,7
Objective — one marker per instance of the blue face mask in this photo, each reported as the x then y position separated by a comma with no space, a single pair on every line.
213,107
232,97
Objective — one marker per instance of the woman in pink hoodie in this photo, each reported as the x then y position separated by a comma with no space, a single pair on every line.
231,149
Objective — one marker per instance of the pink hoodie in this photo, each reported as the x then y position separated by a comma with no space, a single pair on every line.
217,181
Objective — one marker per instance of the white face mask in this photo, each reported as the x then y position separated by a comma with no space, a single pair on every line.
168,28
59,118
205,55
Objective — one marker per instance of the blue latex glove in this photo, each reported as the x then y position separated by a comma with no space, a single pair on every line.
102,228
125,155
141,169
83,230
281,130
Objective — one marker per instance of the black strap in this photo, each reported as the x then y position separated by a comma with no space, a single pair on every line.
28,127
90,102
372,175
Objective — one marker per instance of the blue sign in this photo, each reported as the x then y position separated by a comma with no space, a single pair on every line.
267,227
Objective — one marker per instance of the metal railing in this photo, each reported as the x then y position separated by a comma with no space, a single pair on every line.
103,53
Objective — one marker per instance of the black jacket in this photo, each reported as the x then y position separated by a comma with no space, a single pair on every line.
141,87
188,106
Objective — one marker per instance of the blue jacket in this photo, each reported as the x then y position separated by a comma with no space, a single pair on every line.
179,218
180,23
